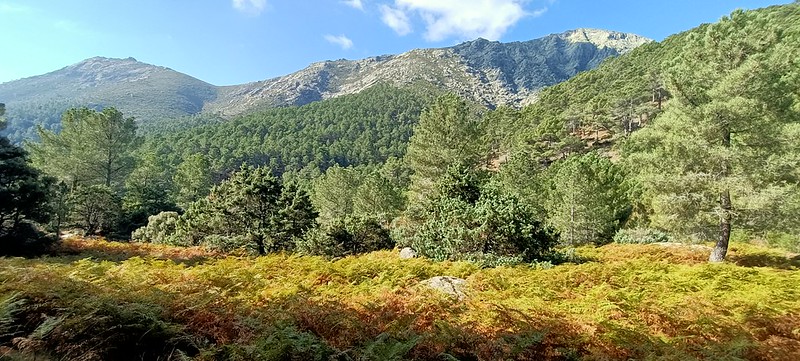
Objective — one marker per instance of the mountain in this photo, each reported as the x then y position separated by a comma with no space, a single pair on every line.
607,103
141,87
490,73
141,90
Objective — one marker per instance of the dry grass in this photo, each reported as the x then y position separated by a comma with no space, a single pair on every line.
651,302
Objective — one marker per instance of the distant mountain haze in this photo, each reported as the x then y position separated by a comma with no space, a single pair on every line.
487,72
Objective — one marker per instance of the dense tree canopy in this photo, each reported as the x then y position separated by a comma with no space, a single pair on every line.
93,147
720,156
93,155
24,197
585,199
360,129
448,132
251,210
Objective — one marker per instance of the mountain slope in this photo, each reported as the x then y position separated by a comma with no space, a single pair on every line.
140,90
629,91
355,129
490,73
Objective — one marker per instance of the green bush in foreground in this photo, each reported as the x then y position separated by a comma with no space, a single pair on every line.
252,210
640,236
344,237
482,224
160,229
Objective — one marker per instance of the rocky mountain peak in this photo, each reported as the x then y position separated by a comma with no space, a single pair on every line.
100,70
621,42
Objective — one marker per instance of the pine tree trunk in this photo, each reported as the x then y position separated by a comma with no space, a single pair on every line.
572,224
259,240
721,248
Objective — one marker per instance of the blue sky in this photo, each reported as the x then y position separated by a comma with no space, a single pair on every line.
235,41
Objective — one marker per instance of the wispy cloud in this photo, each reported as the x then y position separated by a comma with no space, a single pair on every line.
396,19
11,8
357,4
462,19
250,7
340,40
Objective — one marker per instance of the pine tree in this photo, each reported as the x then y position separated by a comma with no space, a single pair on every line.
333,192
192,180
252,209
93,148
94,152
717,157
24,197
447,133
586,199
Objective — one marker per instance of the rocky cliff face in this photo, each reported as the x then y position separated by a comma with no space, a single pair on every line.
491,73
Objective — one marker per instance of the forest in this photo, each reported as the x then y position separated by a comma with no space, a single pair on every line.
666,176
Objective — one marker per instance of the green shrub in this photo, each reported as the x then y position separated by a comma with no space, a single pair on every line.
640,236
252,210
160,229
477,223
349,236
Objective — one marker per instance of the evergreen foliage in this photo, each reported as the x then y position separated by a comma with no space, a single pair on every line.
711,115
468,220
332,194
192,179
24,199
95,208
92,156
148,191
448,132
360,192
93,148
586,200
160,229
252,210
721,155
345,237
361,129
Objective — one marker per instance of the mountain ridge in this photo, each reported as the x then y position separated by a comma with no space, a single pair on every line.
487,72
403,69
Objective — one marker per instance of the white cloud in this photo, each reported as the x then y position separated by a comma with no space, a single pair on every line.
357,4
464,19
251,7
340,40
396,19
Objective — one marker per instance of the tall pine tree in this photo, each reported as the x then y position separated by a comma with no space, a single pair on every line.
93,148
717,158
448,133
